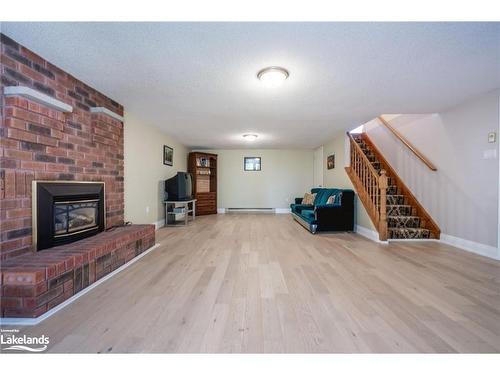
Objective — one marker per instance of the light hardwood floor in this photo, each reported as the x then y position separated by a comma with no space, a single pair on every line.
261,283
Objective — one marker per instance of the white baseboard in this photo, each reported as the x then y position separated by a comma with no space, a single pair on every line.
473,247
41,318
247,210
368,233
250,210
412,240
159,224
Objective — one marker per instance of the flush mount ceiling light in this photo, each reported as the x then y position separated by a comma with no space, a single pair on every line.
273,76
250,137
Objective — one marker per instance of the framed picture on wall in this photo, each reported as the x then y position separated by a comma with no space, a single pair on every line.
168,155
330,161
251,163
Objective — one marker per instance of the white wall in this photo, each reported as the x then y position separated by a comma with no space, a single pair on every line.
318,167
285,174
462,196
145,171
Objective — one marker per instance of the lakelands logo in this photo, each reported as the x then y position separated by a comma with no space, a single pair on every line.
12,342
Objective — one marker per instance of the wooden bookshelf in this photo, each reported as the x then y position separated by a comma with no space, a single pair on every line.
203,167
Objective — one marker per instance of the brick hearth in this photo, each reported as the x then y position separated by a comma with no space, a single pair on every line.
32,284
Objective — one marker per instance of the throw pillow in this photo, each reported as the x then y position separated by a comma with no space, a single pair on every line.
331,199
308,198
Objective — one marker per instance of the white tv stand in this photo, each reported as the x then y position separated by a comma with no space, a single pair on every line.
173,208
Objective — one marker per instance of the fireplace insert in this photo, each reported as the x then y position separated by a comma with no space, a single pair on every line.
66,211
73,217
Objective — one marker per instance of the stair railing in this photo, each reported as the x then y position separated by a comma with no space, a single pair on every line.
407,143
371,187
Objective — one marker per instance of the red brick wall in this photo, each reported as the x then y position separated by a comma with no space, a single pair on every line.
41,143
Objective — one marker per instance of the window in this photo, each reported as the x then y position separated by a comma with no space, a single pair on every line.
252,164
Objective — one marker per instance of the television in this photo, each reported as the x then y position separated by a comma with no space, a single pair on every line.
179,187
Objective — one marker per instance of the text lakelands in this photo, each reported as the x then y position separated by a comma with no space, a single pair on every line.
24,340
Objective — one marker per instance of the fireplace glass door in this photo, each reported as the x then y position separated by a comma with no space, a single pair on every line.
75,216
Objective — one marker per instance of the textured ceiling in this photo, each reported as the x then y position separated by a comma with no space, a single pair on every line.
197,81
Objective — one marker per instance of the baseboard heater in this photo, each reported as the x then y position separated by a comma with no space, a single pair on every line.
250,210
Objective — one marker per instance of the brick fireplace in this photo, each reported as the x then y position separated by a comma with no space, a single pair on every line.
42,143
78,140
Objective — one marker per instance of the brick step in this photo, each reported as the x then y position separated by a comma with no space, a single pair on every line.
409,233
403,221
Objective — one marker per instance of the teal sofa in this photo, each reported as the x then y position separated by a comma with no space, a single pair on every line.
321,216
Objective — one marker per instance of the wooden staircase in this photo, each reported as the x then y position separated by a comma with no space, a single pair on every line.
393,209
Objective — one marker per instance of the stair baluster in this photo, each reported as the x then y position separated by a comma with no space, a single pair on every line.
382,224
372,186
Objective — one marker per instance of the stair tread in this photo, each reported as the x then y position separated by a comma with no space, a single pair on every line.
408,233
409,229
412,216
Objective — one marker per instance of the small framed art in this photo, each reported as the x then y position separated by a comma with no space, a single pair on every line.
168,155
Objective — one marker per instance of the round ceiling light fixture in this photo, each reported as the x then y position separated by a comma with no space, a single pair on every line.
273,76
250,137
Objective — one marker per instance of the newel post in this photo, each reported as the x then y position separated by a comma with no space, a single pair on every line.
382,226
